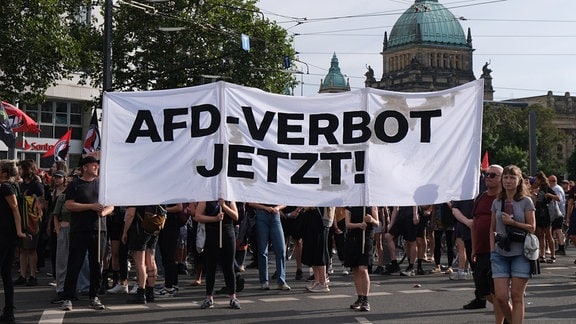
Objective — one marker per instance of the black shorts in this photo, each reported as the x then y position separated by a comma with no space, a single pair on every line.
114,230
138,240
405,226
542,218
557,223
293,227
353,250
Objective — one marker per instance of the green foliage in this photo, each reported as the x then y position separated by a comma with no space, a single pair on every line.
146,58
38,46
505,136
571,166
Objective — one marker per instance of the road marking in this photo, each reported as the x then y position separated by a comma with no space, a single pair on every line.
279,299
380,293
419,291
126,307
456,289
52,316
362,320
328,296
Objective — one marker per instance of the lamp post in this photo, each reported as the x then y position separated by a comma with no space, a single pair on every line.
107,45
302,77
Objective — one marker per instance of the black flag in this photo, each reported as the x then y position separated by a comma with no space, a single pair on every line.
6,133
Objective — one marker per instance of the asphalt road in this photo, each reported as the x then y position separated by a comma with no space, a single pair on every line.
433,298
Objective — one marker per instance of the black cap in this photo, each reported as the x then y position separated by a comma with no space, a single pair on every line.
60,173
86,160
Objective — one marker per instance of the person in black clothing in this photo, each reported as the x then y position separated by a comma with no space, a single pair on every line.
10,231
168,242
219,217
86,220
404,221
31,185
360,223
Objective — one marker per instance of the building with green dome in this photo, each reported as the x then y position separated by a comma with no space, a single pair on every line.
334,81
427,50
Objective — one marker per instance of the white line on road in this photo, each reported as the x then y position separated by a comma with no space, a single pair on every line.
52,316
280,299
362,320
328,296
420,291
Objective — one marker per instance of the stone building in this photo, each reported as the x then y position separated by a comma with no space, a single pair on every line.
334,81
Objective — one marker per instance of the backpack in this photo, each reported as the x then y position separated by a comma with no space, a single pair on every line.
30,208
152,219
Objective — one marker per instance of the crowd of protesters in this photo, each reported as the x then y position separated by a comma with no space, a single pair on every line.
93,246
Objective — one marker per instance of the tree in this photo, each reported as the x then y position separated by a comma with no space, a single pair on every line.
571,166
39,47
208,44
505,136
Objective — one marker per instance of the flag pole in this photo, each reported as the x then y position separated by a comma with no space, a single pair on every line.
220,228
363,231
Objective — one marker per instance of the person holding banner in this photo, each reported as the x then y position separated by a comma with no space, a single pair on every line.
360,223
404,221
269,228
317,222
87,224
220,247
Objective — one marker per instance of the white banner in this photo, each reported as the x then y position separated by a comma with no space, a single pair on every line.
364,147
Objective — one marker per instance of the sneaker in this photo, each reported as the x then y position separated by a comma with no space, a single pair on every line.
118,289
234,303
459,276
283,286
52,283
475,304
299,274
265,286
551,260
356,304
319,288
59,299
182,269
330,269
420,272
449,271
20,281
275,275
378,270
312,286
133,290
32,281
207,303
560,252
365,306
391,268
437,269
345,271
96,304
165,293
66,305
311,278
408,273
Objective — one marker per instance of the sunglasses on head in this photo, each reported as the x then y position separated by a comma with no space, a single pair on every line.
492,175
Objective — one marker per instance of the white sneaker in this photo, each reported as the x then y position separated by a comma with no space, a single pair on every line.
133,290
309,288
66,305
345,271
330,269
118,289
165,292
319,288
96,304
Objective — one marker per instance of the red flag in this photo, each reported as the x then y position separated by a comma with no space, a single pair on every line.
20,122
6,132
92,140
485,164
60,149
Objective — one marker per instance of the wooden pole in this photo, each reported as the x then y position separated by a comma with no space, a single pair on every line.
363,231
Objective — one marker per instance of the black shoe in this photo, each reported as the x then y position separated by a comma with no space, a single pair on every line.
149,294
475,304
299,274
365,306
239,283
420,271
275,275
182,270
32,281
139,297
22,281
379,270
356,304
391,268
311,278
560,252
58,299
7,316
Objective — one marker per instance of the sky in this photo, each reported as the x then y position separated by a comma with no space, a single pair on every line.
530,44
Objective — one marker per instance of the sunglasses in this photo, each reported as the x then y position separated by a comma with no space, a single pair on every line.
492,175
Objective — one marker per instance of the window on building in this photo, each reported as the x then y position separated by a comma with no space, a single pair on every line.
55,117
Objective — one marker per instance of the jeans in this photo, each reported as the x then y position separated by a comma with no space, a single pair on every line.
269,228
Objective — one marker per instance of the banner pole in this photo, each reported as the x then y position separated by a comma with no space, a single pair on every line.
220,228
363,231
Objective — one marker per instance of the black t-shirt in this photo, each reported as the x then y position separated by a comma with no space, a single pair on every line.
84,192
357,216
34,187
171,219
212,209
7,225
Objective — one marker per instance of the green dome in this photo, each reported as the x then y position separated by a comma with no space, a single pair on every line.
334,78
427,22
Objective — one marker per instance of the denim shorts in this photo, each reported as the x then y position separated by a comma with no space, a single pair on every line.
510,266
